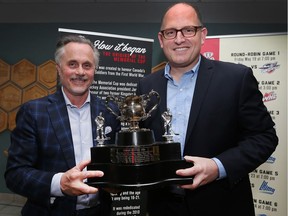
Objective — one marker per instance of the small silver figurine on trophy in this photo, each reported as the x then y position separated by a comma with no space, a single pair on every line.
169,133
101,137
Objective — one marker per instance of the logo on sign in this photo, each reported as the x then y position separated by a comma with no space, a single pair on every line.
269,96
271,160
264,188
269,67
209,55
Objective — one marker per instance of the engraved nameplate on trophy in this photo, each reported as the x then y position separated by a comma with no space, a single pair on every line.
136,160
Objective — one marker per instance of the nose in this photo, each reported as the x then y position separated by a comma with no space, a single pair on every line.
80,70
179,37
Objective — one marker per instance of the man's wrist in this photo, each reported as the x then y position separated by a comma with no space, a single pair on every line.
221,169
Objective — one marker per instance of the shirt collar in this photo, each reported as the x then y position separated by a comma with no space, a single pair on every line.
68,102
194,70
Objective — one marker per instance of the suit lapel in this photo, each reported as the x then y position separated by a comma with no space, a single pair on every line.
59,117
201,88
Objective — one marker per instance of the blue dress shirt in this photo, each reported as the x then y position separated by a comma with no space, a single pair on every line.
81,129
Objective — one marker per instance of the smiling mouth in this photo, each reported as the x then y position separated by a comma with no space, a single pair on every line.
181,49
78,80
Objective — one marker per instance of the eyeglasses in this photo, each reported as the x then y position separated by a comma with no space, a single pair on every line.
189,31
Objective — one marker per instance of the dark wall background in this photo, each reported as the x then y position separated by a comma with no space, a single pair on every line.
36,43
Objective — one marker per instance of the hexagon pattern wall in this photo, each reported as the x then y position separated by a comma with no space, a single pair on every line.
20,83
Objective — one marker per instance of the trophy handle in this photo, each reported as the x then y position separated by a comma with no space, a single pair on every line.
108,99
152,93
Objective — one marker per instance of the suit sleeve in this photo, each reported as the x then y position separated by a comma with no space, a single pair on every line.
257,138
22,175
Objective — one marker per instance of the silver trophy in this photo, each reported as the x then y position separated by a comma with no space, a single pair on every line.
136,160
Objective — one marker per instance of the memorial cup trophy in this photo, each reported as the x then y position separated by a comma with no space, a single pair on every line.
136,160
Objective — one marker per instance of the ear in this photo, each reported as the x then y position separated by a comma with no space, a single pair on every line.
204,33
57,68
160,38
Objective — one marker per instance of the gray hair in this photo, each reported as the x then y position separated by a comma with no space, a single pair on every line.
77,39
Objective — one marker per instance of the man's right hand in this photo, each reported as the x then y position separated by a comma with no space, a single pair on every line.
72,184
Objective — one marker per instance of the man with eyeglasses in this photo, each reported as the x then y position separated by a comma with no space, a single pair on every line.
225,131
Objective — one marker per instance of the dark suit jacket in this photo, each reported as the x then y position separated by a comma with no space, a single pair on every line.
227,120
41,146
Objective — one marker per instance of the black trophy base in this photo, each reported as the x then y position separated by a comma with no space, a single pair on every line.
138,167
145,176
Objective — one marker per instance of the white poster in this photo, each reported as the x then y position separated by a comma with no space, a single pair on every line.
123,61
266,54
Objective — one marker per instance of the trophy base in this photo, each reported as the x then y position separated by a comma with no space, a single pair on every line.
138,167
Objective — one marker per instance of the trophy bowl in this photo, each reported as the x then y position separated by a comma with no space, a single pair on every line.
136,160
133,108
